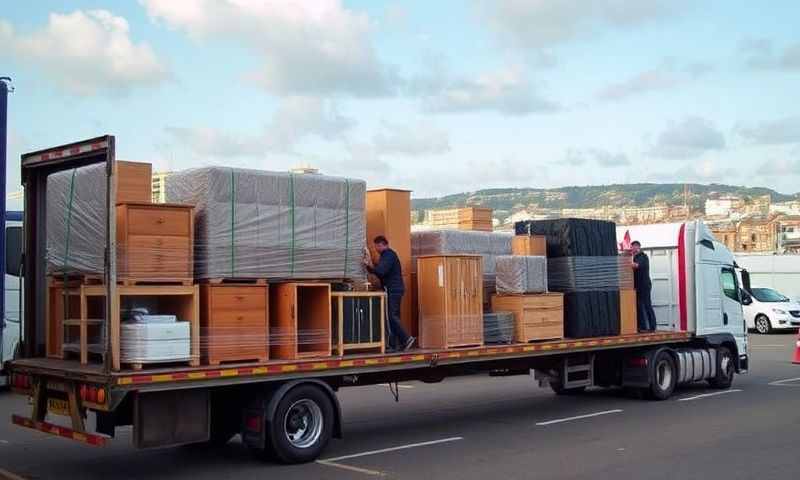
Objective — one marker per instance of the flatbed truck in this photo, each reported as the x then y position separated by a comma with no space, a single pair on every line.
289,411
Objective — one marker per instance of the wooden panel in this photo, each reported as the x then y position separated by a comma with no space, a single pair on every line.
370,307
627,310
134,182
529,245
156,257
282,323
234,323
313,319
450,292
389,214
536,317
159,219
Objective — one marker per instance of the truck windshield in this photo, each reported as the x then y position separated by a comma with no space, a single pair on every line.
768,295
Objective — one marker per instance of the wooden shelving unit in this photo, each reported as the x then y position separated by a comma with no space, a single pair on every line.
358,321
300,320
235,323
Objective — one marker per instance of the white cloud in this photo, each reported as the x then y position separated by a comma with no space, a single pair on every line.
508,91
544,23
294,120
604,158
761,54
688,138
86,52
667,76
304,47
776,132
783,167
413,140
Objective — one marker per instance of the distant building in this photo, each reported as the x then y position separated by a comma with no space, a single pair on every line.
757,235
726,233
791,207
789,234
723,206
159,186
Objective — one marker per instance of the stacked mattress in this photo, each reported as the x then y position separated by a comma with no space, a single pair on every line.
75,219
519,274
275,225
583,264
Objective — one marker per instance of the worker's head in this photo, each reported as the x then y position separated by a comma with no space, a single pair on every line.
636,247
381,243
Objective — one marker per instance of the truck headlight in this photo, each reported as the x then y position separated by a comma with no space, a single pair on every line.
779,311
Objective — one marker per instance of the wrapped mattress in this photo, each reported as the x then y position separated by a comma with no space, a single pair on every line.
75,218
260,224
569,237
521,274
443,242
155,342
498,327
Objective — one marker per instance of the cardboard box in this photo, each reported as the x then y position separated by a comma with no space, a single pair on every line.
529,245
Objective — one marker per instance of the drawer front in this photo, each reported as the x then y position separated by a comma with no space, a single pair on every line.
543,301
239,299
242,321
156,257
159,221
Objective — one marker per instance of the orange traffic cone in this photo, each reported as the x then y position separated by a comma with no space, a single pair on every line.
796,359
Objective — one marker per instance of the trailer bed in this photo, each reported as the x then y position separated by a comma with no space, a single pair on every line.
189,377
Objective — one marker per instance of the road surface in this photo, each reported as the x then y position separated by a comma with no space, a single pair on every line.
488,428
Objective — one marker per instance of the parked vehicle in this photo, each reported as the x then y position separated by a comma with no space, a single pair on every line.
780,272
766,310
11,316
289,409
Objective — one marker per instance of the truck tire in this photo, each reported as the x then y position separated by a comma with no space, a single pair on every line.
665,377
725,369
301,427
763,325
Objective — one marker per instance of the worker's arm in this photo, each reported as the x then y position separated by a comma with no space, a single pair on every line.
383,267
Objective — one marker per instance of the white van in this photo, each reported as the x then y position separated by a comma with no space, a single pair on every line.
10,321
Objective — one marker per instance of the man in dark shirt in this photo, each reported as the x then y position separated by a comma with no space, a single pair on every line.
390,273
641,282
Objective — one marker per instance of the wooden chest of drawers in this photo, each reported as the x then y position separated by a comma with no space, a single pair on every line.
234,323
536,316
154,243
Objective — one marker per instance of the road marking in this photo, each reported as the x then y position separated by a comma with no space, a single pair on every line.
578,417
786,382
705,395
6,475
333,462
769,346
409,387
392,449
365,471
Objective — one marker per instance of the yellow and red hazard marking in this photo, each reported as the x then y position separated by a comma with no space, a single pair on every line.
69,152
59,431
335,364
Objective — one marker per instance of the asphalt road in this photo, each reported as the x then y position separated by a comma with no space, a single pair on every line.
485,428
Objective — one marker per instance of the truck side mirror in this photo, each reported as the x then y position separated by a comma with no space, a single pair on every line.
14,251
746,298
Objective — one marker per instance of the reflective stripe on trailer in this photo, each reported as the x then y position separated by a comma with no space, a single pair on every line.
68,152
433,357
59,431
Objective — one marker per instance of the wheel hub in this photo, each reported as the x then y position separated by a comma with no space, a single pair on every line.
303,423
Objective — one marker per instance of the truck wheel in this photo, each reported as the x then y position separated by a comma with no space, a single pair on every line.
302,425
664,377
725,370
763,325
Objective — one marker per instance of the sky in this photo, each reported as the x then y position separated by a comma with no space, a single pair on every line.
437,97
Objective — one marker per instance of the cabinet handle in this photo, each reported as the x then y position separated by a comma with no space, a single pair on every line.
240,318
160,220
239,297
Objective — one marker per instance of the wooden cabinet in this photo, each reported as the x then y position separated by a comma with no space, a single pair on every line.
234,323
529,245
300,320
154,243
536,316
134,182
627,312
388,213
358,321
450,294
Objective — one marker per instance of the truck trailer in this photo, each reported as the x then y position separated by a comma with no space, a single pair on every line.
288,409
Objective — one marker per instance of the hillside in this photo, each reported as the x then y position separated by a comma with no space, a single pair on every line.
507,200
